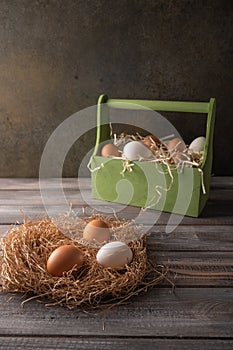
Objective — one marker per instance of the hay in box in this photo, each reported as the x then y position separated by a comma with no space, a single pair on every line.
26,249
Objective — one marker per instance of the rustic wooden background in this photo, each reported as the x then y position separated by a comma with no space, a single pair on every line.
198,314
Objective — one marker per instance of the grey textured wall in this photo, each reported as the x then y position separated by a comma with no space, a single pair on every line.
57,56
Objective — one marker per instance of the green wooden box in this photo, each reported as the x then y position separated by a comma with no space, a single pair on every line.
149,185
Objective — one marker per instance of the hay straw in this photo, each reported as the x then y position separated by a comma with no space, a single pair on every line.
23,267
160,151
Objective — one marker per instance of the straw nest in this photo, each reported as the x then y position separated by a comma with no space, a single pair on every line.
27,247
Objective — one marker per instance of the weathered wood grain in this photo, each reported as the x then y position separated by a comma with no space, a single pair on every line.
24,194
212,215
221,182
32,183
33,196
75,192
198,253
192,237
185,237
189,312
197,268
103,343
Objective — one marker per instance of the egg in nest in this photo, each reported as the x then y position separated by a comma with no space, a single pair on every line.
96,231
115,255
64,259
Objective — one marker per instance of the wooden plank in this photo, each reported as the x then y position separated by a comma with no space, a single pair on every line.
195,258
195,238
168,106
218,186
221,194
198,253
50,183
219,182
212,215
103,343
77,196
185,237
190,267
197,268
32,197
3,230
189,312
218,210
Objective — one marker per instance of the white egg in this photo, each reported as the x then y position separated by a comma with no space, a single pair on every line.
136,150
198,144
115,255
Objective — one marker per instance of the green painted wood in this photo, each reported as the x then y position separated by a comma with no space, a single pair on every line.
168,106
138,188
208,153
103,128
190,189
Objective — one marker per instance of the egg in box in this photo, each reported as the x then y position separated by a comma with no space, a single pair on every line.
110,150
183,189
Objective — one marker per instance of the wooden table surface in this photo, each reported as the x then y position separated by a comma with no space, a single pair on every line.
199,254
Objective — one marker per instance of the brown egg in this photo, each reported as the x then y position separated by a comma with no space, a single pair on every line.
180,157
175,145
63,259
96,231
110,150
148,140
